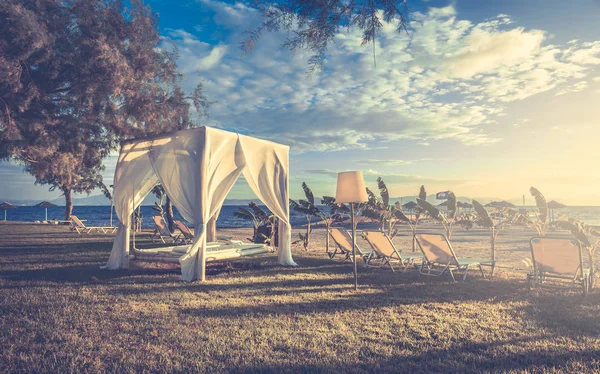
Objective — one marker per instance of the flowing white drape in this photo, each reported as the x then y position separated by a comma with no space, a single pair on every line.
198,168
266,172
197,173
134,179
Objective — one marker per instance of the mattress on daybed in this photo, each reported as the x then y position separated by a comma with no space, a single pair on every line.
214,251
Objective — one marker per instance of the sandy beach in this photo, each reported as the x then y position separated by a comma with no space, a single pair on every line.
60,311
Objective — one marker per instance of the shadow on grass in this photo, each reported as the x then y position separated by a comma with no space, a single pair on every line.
565,312
461,358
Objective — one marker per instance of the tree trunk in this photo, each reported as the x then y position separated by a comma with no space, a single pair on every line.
169,214
111,213
211,229
68,203
307,238
493,243
328,225
592,267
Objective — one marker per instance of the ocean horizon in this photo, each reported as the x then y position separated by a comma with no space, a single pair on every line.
99,215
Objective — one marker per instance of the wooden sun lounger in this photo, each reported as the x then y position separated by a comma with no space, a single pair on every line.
188,237
386,251
161,231
439,258
80,227
343,246
558,258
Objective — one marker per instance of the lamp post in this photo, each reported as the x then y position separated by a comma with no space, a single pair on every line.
351,189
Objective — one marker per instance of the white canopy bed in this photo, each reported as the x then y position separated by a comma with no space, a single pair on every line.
197,168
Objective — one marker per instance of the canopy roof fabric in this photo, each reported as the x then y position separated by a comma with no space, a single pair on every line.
197,168
45,204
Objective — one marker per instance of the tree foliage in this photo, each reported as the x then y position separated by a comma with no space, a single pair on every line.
309,209
76,77
263,222
380,209
313,25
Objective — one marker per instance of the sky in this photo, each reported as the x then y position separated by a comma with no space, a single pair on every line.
484,98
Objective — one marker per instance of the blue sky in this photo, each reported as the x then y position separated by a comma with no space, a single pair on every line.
485,98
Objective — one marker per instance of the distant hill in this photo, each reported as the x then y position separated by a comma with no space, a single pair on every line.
101,200
150,199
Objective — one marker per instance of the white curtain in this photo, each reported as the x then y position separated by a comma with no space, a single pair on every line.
198,168
266,172
197,171
134,179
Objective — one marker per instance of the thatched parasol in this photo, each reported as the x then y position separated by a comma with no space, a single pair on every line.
6,206
410,205
554,205
46,205
460,204
500,204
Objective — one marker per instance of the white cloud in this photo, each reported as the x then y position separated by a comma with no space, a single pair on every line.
391,178
486,52
449,79
579,86
371,161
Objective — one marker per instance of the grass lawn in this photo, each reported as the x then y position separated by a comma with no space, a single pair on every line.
60,312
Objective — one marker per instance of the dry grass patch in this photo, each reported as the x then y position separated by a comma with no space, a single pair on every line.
60,312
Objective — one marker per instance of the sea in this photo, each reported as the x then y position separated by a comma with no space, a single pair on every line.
100,215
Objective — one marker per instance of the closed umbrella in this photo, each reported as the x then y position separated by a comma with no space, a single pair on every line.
6,206
46,205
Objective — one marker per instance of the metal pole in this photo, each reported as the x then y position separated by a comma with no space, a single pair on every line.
354,247
46,214
5,214
133,218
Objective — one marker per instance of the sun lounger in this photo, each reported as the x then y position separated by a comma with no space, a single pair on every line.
161,231
188,237
80,227
385,250
557,258
343,246
439,258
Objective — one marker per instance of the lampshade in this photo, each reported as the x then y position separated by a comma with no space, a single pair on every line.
351,188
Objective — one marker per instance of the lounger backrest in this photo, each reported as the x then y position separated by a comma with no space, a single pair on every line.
159,221
184,229
556,255
341,238
344,240
380,243
436,249
77,222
